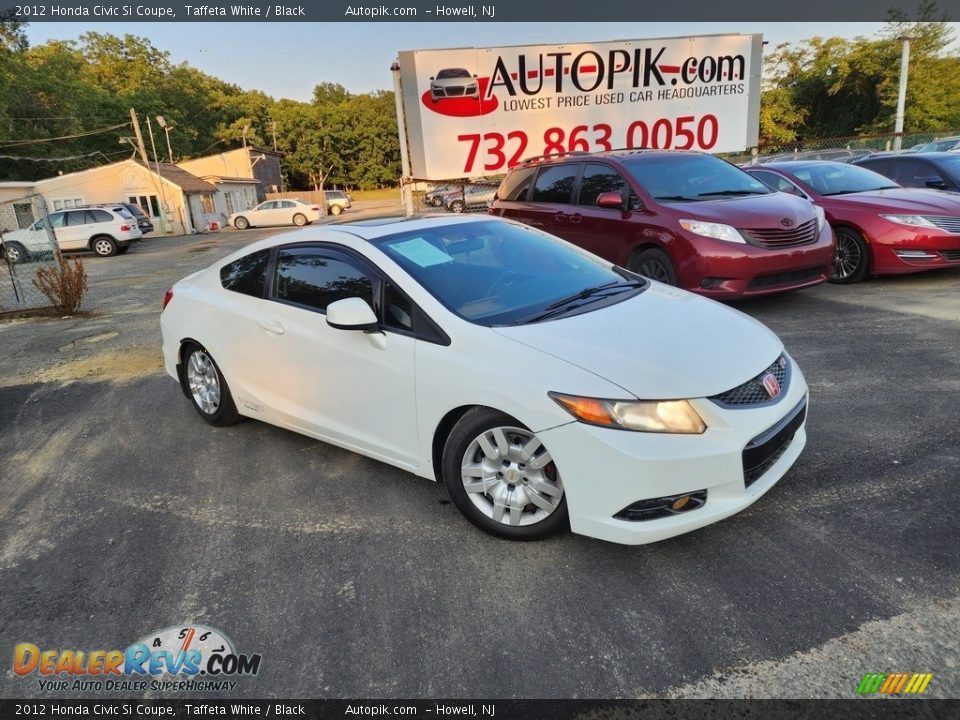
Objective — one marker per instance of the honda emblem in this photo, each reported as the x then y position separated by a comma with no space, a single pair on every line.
771,385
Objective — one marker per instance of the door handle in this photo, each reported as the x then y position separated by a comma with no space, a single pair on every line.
533,223
575,218
271,326
560,217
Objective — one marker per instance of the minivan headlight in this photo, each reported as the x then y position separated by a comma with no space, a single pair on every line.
717,231
821,217
656,416
914,220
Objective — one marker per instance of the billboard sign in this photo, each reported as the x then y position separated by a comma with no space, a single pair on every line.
471,112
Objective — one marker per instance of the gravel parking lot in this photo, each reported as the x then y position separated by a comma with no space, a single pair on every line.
121,513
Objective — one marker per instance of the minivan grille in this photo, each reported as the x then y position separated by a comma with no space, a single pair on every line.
787,278
752,391
783,237
950,224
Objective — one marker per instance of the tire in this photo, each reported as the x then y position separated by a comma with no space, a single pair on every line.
335,209
851,260
241,223
437,202
15,253
299,219
207,388
654,264
457,206
532,503
122,249
104,246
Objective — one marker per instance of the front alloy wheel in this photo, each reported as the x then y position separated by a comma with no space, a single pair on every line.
502,478
850,260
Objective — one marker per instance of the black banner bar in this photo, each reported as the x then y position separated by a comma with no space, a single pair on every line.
543,11
861,709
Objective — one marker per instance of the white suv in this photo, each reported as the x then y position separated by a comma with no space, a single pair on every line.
104,230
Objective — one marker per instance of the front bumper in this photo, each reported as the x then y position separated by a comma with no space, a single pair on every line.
898,249
721,269
605,471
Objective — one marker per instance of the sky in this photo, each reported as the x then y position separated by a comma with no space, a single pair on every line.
289,59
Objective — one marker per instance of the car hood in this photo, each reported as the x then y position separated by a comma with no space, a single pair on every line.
751,211
24,235
915,201
662,344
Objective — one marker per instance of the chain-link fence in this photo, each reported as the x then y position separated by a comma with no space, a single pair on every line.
455,196
847,149
27,243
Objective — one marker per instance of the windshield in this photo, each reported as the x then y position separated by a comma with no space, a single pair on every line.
497,273
830,178
452,73
684,178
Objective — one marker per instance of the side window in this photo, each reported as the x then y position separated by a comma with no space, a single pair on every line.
599,179
248,275
316,277
397,309
284,204
776,182
554,184
76,217
269,205
880,166
98,216
58,219
915,173
516,184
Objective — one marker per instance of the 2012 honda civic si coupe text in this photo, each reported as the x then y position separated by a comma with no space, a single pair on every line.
543,386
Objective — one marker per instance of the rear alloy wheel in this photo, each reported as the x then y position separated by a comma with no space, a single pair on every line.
851,259
241,223
104,246
299,219
335,209
14,253
502,478
654,264
207,388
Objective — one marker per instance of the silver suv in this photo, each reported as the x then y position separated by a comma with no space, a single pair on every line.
104,230
337,201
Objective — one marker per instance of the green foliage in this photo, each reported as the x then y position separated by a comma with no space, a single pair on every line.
835,87
67,88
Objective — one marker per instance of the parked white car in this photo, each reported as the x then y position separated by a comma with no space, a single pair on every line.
106,230
540,383
276,212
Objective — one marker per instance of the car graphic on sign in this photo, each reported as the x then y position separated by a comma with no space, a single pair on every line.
453,83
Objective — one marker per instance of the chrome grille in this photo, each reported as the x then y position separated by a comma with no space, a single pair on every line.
752,391
783,237
950,224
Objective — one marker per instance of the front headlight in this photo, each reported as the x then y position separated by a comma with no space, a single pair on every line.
657,416
821,217
717,231
913,220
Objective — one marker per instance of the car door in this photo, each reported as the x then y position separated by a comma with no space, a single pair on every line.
550,209
262,214
602,231
283,215
73,234
348,386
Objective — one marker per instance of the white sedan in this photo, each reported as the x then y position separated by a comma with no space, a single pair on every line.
277,212
543,386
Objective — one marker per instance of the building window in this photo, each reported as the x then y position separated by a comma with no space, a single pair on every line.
63,203
148,203
207,200
24,214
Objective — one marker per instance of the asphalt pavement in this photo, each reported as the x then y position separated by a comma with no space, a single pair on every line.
122,513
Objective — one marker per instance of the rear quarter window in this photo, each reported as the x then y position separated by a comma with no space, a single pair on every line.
100,216
555,184
248,275
515,185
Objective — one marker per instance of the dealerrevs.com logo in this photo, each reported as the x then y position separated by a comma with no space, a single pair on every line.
180,658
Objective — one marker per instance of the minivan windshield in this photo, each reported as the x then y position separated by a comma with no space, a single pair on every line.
493,272
687,178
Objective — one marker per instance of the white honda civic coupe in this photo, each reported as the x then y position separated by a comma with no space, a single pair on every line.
543,386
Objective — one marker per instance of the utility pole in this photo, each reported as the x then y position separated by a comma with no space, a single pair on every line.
902,96
136,130
273,127
163,194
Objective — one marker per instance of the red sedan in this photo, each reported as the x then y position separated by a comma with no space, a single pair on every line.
880,227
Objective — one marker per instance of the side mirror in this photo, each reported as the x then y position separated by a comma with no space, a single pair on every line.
937,183
432,78
611,201
474,74
352,314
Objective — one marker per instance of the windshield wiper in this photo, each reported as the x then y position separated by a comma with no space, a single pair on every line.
851,192
733,192
675,197
574,301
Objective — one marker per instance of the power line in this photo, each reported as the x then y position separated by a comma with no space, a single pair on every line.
96,153
14,143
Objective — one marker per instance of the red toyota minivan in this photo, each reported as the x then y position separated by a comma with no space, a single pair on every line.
683,218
